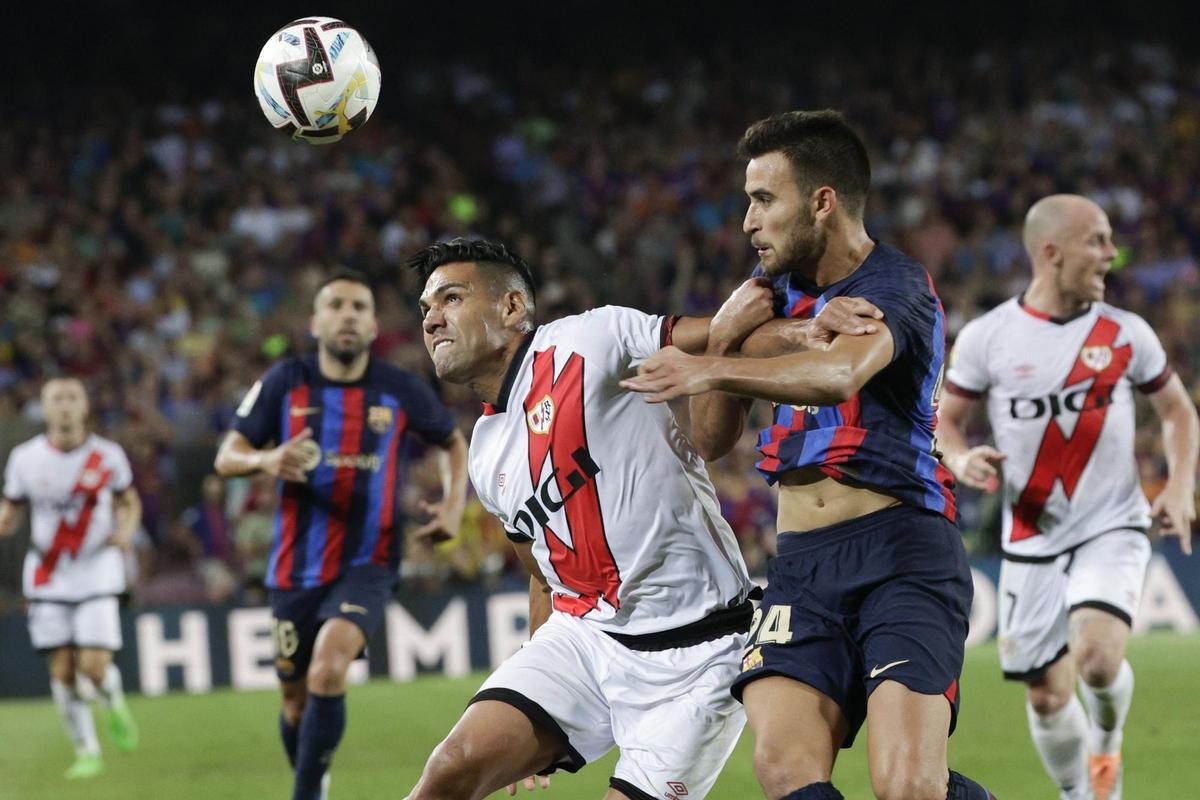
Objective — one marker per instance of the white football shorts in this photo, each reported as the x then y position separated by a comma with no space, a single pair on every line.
669,712
1036,598
91,623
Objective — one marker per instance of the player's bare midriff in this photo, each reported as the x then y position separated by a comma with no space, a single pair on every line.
810,499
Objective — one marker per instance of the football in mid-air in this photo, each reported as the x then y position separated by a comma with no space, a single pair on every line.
317,79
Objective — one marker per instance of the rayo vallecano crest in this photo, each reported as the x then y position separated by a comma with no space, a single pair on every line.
1096,358
541,416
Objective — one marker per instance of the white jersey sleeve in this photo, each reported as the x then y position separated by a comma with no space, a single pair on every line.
968,370
638,334
122,472
1148,368
14,489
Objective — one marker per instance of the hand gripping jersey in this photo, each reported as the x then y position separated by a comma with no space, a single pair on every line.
1060,403
345,515
70,495
624,521
883,436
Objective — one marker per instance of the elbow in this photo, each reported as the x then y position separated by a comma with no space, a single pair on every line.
835,391
221,466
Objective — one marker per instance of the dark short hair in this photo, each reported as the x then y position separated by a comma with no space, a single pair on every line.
822,148
491,255
348,275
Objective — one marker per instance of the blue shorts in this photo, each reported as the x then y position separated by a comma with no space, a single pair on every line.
886,596
360,595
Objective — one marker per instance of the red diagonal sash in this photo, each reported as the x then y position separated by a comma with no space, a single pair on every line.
69,537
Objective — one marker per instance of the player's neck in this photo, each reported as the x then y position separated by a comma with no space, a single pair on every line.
66,439
1042,295
843,255
334,370
487,387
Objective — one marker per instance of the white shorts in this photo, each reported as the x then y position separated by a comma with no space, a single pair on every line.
670,711
1106,572
90,623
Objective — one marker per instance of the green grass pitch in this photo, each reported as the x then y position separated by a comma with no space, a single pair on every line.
225,745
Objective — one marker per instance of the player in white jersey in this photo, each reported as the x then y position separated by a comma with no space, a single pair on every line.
639,601
1058,367
85,510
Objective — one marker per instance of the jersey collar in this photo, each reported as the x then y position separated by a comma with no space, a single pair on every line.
1042,315
510,377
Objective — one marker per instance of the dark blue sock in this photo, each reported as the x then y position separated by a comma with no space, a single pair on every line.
291,738
321,729
815,791
962,788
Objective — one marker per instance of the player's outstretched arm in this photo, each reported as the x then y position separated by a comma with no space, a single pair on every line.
10,516
1175,506
237,456
446,514
814,377
976,467
127,516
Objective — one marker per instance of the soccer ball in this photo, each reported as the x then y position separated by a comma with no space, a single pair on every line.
317,79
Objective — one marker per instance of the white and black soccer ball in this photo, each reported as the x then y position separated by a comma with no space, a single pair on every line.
317,79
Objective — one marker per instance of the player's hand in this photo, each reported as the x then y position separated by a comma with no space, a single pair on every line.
978,468
287,461
1175,510
852,316
530,783
671,373
443,523
121,539
750,305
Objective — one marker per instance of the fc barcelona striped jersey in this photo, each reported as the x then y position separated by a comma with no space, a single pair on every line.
345,515
883,436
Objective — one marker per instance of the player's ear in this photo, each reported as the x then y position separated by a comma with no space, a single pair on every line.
514,309
312,326
824,202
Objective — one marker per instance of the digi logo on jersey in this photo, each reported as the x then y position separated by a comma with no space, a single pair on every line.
542,503
1082,399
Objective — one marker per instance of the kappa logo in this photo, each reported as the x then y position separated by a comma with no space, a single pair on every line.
501,480
676,790
541,416
1096,358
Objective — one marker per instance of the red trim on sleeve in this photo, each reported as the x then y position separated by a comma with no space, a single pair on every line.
954,388
667,330
1152,386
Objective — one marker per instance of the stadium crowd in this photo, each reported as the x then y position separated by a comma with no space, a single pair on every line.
166,254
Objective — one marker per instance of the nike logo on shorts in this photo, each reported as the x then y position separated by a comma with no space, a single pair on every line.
877,671
350,608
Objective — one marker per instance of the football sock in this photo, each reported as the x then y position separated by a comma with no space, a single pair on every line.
1059,739
321,729
1108,707
77,717
815,791
962,788
291,738
109,691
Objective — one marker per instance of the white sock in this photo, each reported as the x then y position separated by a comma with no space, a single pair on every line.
1059,740
1108,708
77,717
110,692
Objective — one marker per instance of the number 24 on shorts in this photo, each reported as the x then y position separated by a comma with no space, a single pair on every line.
776,625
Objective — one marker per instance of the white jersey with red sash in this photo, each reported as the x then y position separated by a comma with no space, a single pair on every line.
1060,403
70,496
624,520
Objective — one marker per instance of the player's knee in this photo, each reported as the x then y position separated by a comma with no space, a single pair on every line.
1046,701
448,773
327,677
780,770
1098,664
910,783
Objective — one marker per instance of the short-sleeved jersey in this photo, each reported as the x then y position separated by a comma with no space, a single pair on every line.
345,515
1060,403
625,523
70,496
883,436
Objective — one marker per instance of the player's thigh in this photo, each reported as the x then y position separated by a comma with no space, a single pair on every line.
1050,689
797,732
94,661
60,662
96,623
1107,575
295,625
674,719
49,625
1033,616
906,737
553,680
338,643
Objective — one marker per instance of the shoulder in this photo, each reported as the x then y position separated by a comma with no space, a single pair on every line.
28,448
1123,317
290,371
981,328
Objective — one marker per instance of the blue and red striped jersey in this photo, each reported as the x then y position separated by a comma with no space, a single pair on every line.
346,514
883,437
